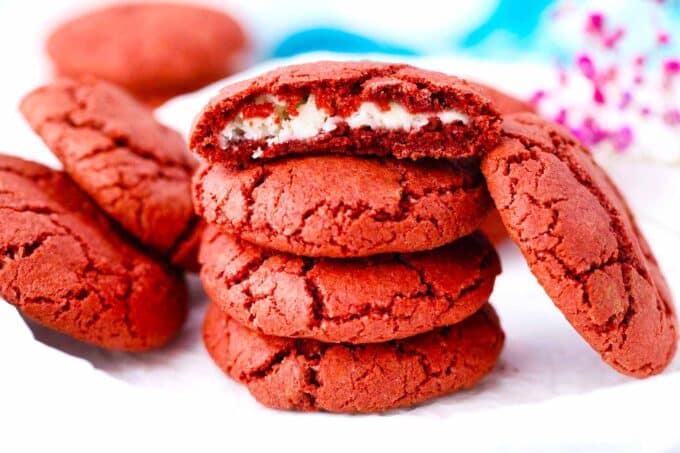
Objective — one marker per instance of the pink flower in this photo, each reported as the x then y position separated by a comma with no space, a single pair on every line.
595,24
598,96
671,66
622,138
613,39
586,66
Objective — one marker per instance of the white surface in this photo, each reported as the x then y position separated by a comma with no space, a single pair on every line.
550,389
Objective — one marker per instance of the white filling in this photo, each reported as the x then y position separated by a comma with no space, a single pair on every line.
310,120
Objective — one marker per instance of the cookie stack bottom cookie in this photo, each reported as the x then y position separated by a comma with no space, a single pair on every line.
310,375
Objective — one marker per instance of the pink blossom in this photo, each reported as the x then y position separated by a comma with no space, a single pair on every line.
672,117
586,66
598,96
595,24
622,139
626,99
671,66
613,39
537,97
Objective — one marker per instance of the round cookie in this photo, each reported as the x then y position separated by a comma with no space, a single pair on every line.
583,245
361,300
64,266
344,206
349,107
155,51
136,169
309,375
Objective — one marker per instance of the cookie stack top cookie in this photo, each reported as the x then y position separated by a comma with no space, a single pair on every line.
362,107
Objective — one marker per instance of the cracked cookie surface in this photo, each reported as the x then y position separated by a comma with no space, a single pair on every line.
583,245
339,88
343,206
63,265
136,169
361,300
309,375
165,50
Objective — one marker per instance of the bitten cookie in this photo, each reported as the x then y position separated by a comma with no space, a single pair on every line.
155,51
136,169
359,107
344,206
308,375
582,243
64,266
362,300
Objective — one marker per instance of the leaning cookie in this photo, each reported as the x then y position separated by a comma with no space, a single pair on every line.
136,169
362,300
344,206
308,375
583,245
346,107
64,266
155,51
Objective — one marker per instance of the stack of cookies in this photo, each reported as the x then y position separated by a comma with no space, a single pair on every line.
343,261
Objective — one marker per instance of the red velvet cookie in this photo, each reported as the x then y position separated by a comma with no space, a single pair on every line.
344,206
308,375
136,169
155,51
503,102
358,107
582,243
492,226
64,266
361,300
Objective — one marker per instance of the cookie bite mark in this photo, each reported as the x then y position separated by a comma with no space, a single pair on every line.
583,245
137,170
63,265
346,107
364,300
344,206
308,375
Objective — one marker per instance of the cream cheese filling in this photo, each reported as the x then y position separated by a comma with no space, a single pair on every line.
310,121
